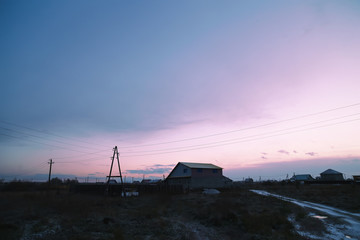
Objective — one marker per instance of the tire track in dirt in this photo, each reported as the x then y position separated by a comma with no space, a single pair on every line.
351,230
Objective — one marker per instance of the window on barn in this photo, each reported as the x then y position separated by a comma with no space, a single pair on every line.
185,170
215,170
199,170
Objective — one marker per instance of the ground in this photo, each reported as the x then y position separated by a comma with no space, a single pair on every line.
232,214
345,196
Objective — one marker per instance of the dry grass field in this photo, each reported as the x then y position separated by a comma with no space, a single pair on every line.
232,214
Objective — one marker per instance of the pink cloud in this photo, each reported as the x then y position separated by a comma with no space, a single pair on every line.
283,152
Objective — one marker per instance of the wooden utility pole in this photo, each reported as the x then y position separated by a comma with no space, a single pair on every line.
51,163
116,152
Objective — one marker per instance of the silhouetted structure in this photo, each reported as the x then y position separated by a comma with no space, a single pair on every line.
248,180
198,175
356,178
331,175
151,181
302,178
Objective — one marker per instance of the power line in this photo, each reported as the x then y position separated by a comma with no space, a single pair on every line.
83,160
247,140
50,145
167,142
38,167
243,129
49,133
180,140
81,155
32,135
246,137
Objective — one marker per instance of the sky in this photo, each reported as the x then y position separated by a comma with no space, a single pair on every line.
263,89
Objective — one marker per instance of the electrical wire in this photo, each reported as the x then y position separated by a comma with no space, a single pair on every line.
84,160
49,133
76,156
247,140
50,145
243,129
184,139
246,137
32,135
184,148
38,167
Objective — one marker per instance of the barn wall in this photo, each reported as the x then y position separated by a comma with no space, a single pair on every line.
185,182
209,182
181,171
203,172
332,177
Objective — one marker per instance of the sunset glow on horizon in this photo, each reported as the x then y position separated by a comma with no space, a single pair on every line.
261,89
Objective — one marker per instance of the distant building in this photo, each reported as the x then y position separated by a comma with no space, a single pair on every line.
249,180
150,181
112,181
198,175
302,178
331,175
356,178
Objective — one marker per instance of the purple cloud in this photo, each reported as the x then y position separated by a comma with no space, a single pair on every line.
154,169
162,165
311,153
283,152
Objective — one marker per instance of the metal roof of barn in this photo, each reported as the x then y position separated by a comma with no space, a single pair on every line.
330,171
200,165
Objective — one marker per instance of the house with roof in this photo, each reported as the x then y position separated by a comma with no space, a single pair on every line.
198,175
331,175
302,178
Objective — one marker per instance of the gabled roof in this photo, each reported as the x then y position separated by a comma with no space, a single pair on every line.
200,165
330,171
193,165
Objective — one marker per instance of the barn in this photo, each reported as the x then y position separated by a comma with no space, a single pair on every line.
198,175
331,175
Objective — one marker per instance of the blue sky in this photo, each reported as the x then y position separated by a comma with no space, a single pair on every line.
78,76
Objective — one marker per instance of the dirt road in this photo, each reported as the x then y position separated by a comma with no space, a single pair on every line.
347,228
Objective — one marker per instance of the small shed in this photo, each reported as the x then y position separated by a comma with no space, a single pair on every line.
331,175
198,175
